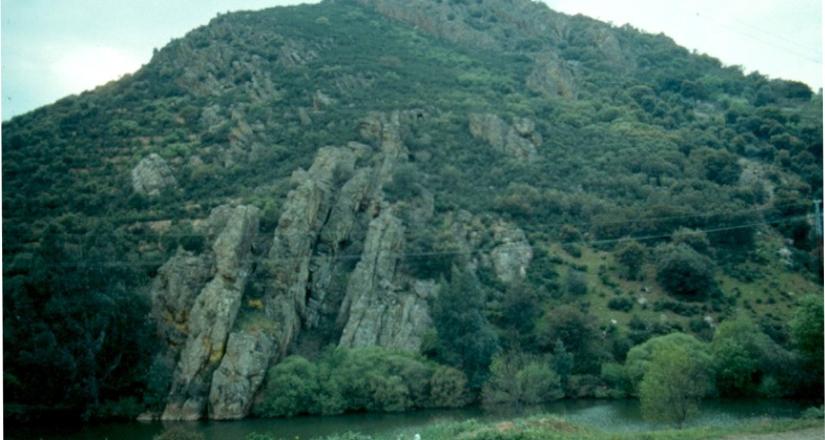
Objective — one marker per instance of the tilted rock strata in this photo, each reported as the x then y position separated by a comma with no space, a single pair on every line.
333,204
174,291
305,213
212,317
377,312
239,375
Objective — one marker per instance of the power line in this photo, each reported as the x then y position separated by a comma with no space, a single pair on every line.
640,220
775,35
404,255
757,38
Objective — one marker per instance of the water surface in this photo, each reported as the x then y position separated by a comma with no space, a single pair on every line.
613,416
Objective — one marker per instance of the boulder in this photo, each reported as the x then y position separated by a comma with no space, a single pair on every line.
152,175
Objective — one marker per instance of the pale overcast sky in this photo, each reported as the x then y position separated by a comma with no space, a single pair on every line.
51,49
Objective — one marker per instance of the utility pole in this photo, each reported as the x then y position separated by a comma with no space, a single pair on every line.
818,219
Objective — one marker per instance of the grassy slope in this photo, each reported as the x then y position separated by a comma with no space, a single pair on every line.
774,292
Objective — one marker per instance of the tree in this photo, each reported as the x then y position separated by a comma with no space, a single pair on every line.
683,271
673,386
697,240
720,166
640,357
466,339
518,379
562,361
631,254
578,333
448,388
291,387
743,357
575,282
519,311
806,334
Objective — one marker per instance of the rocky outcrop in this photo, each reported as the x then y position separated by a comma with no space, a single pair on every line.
305,213
333,208
239,375
551,76
213,312
518,141
512,252
465,234
152,175
173,294
520,26
508,253
377,311
469,23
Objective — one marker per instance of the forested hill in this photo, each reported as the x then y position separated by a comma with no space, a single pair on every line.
441,189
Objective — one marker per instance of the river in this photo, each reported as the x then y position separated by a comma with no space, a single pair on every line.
615,416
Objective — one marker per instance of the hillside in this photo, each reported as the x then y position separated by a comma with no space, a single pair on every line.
460,180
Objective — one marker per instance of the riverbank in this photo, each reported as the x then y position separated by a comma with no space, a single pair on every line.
555,428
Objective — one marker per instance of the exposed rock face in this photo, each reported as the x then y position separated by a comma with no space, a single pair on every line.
512,254
551,77
454,21
465,233
213,314
152,175
305,213
518,24
377,312
240,374
519,141
173,294
221,364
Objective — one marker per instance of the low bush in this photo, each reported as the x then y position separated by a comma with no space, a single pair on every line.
620,303
371,379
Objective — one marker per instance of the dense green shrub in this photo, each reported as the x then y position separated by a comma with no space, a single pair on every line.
683,271
745,359
575,283
621,303
806,333
630,254
639,357
294,386
517,379
673,384
466,339
372,379
578,334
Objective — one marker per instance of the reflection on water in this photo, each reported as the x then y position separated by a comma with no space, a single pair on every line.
616,416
